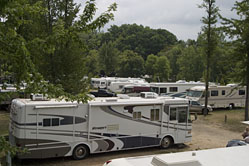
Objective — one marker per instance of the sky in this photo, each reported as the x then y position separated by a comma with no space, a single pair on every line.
180,17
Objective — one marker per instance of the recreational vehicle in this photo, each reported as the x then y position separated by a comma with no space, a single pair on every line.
58,128
105,82
228,96
135,89
118,87
232,156
173,87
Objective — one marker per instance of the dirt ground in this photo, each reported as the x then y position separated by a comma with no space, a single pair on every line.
205,136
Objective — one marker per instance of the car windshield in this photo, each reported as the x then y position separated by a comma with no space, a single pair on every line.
192,93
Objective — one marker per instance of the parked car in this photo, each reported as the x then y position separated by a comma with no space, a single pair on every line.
103,93
195,106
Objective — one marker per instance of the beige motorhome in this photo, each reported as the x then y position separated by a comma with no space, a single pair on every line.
50,128
229,96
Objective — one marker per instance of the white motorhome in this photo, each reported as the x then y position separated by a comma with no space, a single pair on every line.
118,87
228,96
105,82
232,156
173,87
58,128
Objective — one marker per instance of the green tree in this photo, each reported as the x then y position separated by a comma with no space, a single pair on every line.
190,64
239,29
130,64
108,57
139,39
150,64
173,54
162,68
209,29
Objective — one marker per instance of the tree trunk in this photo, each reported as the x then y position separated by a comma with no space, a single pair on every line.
208,56
247,88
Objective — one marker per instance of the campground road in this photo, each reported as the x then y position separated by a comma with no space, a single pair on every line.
204,137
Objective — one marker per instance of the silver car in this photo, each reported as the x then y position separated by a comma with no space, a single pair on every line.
195,106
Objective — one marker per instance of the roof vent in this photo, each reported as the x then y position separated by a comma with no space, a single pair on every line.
159,162
38,97
123,96
148,95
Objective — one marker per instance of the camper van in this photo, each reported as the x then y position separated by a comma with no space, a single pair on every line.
162,88
50,128
232,156
228,96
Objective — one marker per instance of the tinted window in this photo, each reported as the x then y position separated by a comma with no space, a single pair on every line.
223,92
172,114
173,89
46,122
195,103
242,92
136,115
163,90
154,114
182,114
214,93
55,122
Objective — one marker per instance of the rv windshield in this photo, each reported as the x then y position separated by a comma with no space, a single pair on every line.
192,93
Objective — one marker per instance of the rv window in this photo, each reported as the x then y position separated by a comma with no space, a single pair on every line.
155,89
46,122
55,122
214,93
121,86
166,109
173,89
137,115
242,92
182,114
172,114
223,92
154,114
163,90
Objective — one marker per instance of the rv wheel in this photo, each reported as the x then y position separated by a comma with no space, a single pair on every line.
80,152
166,142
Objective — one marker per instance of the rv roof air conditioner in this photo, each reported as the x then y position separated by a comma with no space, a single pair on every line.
123,96
38,97
148,95
156,161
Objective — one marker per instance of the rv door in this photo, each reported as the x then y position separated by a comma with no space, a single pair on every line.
178,118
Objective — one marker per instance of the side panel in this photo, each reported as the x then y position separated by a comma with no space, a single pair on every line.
118,127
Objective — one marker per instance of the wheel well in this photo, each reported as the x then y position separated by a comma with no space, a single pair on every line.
87,146
169,136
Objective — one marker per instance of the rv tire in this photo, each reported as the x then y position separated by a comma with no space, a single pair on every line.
80,152
231,106
204,110
166,142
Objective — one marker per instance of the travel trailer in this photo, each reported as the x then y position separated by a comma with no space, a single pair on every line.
228,96
134,90
173,87
105,82
117,87
231,156
53,128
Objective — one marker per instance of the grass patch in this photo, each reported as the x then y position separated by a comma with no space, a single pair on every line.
233,119
4,122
